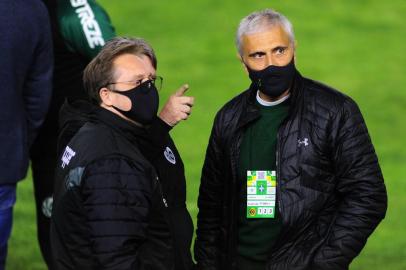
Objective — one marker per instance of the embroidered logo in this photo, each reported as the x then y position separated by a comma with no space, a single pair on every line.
47,206
169,155
304,142
67,156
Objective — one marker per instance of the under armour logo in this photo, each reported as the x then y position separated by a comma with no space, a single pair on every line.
304,142
67,156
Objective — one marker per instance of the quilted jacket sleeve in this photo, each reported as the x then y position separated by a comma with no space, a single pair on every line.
116,197
207,253
360,183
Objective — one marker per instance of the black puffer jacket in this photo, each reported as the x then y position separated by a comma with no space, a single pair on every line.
331,193
110,210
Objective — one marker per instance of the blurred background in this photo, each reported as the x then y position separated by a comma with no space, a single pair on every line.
357,47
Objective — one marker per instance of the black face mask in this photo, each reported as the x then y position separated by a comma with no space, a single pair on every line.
273,80
144,102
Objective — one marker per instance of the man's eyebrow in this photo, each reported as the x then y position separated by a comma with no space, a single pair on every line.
136,77
256,53
280,47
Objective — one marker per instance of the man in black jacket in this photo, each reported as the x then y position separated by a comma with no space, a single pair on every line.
291,179
74,46
120,187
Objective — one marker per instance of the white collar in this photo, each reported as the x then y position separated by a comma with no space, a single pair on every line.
271,103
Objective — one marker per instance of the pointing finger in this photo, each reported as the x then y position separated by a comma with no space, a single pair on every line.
181,91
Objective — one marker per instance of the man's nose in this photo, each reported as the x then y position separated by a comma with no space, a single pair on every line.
268,60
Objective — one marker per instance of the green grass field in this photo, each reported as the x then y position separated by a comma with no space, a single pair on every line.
355,46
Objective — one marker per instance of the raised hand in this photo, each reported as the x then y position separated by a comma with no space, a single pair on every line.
178,107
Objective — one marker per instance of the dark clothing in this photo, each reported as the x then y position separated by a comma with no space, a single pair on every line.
330,191
7,200
104,191
121,207
258,152
159,148
26,84
73,50
72,116
42,170
25,81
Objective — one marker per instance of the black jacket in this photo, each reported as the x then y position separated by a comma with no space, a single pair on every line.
330,191
110,210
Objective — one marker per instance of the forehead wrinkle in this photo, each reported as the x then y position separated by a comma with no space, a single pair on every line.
265,40
124,69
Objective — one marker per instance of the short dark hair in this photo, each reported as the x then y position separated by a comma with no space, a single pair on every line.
99,72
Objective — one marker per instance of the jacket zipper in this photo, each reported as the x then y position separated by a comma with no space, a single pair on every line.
234,171
278,189
161,191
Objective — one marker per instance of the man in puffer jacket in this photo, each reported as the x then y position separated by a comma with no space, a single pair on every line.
79,30
115,205
291,180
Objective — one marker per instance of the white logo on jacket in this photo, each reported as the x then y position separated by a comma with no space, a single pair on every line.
304,142
169,155
67,156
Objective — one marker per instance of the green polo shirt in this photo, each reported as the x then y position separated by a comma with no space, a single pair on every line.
258,152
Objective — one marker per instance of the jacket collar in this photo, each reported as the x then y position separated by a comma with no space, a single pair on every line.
251,112
125,128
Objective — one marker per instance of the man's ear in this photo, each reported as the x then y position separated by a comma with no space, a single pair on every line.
105,96
239,57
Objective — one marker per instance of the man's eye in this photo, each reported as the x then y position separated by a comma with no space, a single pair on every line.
256,55
280,50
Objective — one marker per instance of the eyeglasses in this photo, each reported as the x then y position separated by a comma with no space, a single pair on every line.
157,81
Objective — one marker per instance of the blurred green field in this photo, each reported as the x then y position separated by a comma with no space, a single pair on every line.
355,46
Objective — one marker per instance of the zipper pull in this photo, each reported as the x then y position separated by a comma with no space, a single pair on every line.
165,203
162,193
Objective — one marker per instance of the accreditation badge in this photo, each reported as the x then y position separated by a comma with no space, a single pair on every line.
261,194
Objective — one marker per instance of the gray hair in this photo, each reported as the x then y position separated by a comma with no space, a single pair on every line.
261,20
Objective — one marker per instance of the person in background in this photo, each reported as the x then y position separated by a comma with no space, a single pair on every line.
80,28
291,180
26,87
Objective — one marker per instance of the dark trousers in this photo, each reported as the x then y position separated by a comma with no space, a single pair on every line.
43,162
7,200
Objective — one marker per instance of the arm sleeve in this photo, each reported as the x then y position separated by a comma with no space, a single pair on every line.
157,131
85,27
116,199
361,185
38,83
207,245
